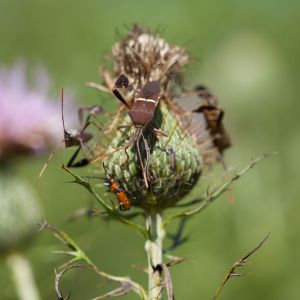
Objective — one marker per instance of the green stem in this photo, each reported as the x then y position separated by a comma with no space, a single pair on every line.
23,276
78,254
154,250
110,210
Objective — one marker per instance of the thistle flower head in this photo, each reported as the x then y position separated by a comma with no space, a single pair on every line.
29,120
170,152
19,210
175,163
144,56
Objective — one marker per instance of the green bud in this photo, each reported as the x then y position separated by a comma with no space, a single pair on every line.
175,162
19,210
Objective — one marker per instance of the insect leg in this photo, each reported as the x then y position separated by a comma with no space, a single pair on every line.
141,161
126,148
124,126
81,163
159,132
148,157
48,160
91,110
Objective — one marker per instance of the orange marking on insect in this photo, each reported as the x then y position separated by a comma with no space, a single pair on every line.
124,201
113,186
122,197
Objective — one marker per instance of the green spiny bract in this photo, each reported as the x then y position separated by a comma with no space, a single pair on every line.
175,163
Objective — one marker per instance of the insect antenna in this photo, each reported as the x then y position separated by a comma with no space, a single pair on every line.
48,160
62,109
59,144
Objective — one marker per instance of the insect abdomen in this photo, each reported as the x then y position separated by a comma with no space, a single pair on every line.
124,201
122,197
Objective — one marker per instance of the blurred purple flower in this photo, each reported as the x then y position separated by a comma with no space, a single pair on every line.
30,120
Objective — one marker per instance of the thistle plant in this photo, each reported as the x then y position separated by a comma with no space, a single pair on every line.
151,168
29,127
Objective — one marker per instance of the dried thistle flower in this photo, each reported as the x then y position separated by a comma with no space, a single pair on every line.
144,56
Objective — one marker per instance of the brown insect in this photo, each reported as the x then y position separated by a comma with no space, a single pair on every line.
214,115
124,201
204,110
76,137
141,113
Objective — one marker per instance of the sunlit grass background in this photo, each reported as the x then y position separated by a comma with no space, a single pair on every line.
247,52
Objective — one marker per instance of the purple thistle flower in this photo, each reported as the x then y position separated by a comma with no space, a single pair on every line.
30,120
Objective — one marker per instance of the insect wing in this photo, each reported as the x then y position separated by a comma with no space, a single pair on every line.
195,121
214,116
206,113
145,103
151,90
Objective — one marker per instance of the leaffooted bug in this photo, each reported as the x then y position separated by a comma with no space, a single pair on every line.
76,137
141,113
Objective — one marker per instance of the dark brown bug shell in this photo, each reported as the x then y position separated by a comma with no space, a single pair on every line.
142,111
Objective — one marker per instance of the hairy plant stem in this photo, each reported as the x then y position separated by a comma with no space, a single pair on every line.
154,250
23,277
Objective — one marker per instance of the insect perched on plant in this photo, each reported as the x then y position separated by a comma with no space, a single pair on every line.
214,115
203,109
203,104
124,201
76,137
141,114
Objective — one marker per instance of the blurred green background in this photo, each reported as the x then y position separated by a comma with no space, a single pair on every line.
247,52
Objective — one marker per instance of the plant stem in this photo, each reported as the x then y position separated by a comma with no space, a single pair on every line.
23,276
154,249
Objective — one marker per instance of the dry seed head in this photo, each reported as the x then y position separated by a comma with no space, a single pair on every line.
143,57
